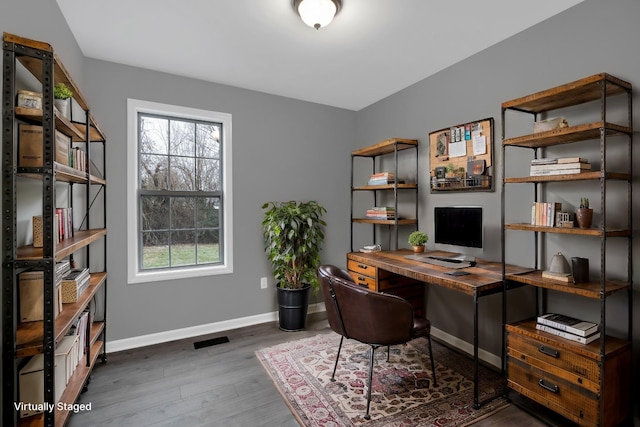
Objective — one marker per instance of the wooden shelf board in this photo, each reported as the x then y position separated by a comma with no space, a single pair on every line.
583,132
29,334
592,350
563,230
34,65
569,177
578,92
384,221
63,173
385,147
66,247
385,187
589,289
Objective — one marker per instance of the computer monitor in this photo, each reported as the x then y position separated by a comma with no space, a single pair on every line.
458,225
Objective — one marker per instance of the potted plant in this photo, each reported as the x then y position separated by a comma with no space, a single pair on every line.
584,214
417,239
293,237
61,95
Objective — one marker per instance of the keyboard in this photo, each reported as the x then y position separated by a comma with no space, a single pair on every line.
447,259
441,261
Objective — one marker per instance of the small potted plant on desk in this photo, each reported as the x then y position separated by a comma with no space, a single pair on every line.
293,236
418,239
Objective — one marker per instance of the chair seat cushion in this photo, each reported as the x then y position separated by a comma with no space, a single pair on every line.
421,327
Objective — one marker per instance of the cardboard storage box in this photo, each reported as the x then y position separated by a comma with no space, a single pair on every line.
74,284
30,146
31,384
38,230
28,99
31,285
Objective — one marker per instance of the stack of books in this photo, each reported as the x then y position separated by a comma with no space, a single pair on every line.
381,178
543,213
381,212
559,166
568,327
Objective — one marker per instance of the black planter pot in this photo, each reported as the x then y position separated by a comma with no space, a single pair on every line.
292,307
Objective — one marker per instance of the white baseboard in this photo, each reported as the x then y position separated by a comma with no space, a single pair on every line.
226,325
194,331
456,342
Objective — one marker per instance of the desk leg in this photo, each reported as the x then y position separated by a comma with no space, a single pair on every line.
476,363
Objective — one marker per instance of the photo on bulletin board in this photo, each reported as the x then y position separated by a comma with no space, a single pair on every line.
461,157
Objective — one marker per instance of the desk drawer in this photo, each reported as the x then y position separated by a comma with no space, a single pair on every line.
367,270
362,280
571,401
559,360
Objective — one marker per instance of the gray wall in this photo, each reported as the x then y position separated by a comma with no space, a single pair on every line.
286,149
590,38
283,149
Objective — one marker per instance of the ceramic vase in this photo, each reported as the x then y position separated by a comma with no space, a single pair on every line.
584,216
63,106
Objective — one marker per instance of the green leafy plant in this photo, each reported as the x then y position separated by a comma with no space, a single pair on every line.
61,91
293,237
418,238
584,202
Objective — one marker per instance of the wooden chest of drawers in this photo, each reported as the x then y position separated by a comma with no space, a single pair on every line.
385,281
566,376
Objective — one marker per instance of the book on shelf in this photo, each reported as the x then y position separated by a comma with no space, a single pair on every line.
567,335
547,172
383,181
561,166
561,277
382,178
558,160
388,175
568,324
544,213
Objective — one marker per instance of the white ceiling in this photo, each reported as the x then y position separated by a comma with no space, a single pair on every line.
372,49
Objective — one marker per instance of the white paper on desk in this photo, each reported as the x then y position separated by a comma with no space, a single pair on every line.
458,149
479,145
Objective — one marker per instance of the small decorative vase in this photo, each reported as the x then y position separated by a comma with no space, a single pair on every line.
62,105
418,249
584,216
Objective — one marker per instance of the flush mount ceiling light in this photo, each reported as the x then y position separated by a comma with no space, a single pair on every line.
317,13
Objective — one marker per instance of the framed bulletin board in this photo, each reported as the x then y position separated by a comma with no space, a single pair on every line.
461,157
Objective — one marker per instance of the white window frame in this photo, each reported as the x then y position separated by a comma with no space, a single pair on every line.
134,273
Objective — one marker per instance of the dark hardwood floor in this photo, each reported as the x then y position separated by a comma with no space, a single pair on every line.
174,384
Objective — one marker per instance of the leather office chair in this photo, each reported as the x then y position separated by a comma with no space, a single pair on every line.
370,317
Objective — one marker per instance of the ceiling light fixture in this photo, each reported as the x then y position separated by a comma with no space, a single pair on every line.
317,13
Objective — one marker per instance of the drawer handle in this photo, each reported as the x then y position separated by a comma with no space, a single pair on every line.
362,266
361,278
363,284
549,351
548,386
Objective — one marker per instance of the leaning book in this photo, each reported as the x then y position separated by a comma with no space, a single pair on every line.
567,335
569,324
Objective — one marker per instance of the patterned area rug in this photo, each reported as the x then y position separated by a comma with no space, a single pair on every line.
403,394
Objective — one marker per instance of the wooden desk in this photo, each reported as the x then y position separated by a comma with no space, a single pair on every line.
485,278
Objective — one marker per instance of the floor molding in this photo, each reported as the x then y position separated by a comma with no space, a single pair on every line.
226,325
456,342
194,331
